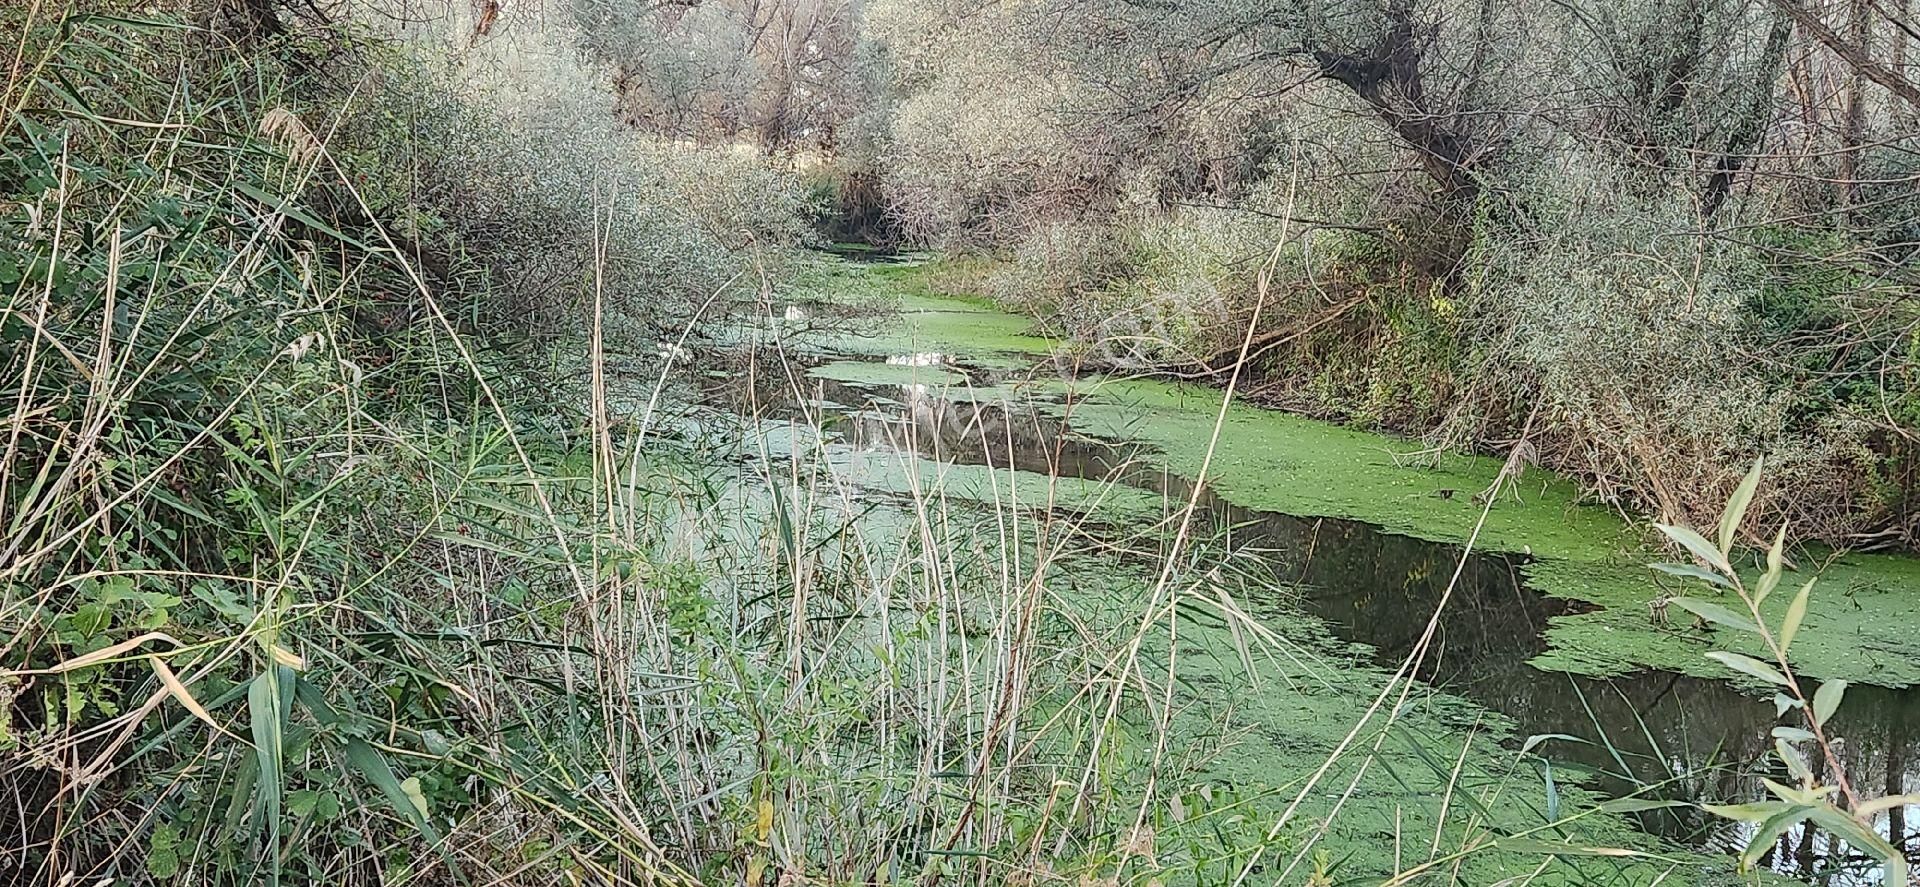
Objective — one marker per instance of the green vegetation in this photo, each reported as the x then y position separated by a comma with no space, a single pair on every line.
1276,462
1629,232
300,583
433,455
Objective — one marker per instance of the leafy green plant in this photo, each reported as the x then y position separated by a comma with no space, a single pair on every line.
1819,793
257,483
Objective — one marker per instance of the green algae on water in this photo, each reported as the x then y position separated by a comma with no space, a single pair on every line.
1862,624
916,320
1244,733
869,372
1858,627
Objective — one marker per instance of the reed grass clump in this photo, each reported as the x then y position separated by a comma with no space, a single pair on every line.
280,470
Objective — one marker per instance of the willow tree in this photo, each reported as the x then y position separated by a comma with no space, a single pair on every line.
774,72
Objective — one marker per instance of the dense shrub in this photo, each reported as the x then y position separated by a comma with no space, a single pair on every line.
1649,353
275,445
1159,288
1646,353
510,155
1616,213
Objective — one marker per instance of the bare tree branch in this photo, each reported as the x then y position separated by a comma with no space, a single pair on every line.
1851,53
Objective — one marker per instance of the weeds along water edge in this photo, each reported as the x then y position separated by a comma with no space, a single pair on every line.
1203,636
313,575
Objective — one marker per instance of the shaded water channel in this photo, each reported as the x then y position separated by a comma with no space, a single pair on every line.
1665,735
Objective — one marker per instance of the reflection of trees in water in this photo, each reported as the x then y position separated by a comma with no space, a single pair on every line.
1697,740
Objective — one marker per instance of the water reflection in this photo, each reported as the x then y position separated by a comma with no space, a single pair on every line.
1664,734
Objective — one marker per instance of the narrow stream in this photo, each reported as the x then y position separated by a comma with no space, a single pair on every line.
1668,735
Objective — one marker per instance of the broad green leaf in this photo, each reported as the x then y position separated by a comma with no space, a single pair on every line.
1698,544
240,796
1689,571
1827,699
1737,506
1782,702
1749,665
370,763
1796,613
287,206
1716,614
1636,805
1769,831
1792,734
264,698
373,765
91,21
1863,838
1553,790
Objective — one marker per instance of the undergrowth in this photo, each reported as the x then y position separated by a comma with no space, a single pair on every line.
295,555
1637,362
350,539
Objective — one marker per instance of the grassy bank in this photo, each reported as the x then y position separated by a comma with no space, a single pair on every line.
367,523
301,343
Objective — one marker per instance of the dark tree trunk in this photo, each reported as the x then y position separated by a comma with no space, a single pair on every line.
1387,76
1855,55
1746,137
260,18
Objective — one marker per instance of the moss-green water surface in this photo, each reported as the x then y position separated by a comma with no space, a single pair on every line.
1247,725
1581,616
1863,624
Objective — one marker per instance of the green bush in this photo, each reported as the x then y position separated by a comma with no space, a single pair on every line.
1640,346
275,436
526,172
